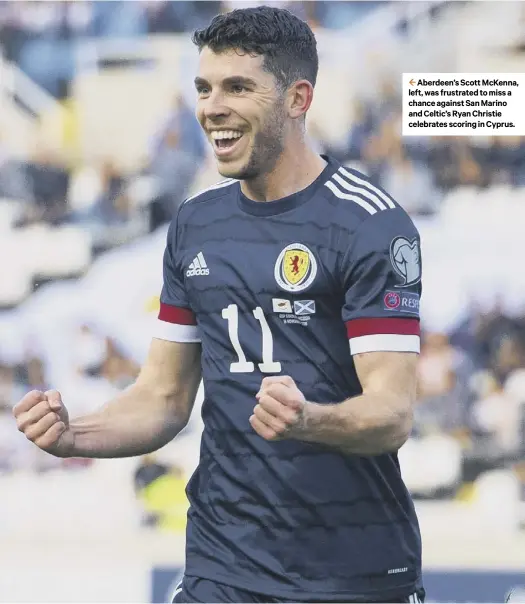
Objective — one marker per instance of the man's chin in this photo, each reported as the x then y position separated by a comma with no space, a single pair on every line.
230,169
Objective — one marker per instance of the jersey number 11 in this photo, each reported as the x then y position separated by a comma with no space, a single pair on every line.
268,365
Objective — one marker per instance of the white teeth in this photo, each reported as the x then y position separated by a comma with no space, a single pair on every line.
222,134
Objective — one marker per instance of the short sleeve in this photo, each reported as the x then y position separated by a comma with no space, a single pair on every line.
382,285
176,321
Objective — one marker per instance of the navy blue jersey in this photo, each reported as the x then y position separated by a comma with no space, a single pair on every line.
294,287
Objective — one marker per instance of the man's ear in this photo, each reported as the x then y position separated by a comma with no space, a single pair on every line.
299,98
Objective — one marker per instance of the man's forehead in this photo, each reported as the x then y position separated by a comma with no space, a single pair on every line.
228,63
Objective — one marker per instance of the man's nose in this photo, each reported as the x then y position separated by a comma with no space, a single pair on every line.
214,107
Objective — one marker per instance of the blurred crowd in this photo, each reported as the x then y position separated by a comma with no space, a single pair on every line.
471,379
42,37
100,197
471,387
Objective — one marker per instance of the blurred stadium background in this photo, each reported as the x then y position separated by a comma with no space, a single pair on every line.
98,145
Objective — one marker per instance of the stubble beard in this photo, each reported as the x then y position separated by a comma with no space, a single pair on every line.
268,146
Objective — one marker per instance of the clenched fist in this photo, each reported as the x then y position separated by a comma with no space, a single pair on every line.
44,420
280,412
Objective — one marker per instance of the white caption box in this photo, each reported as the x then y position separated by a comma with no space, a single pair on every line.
463,104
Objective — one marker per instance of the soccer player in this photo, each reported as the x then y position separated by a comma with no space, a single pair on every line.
293,286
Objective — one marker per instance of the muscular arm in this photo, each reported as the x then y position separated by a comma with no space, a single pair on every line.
375,422
379,420
149,413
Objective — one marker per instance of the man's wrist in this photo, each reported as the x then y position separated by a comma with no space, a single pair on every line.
78,440
312,418
325,424
64,447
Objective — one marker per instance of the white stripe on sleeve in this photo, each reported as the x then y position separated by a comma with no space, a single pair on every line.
174,332
387,342
360,202
353,178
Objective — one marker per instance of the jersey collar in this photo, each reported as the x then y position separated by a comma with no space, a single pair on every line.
278,206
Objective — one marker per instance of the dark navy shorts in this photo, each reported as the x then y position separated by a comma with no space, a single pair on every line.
194,589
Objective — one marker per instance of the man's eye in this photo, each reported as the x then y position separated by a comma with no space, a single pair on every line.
238,88
203,90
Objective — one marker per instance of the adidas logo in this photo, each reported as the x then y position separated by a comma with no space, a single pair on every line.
198,267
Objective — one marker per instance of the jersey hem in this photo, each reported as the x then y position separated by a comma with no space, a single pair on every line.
383,594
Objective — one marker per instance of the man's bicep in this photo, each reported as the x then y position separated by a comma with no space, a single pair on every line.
173,371
392,372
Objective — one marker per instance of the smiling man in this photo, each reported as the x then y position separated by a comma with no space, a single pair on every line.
293,288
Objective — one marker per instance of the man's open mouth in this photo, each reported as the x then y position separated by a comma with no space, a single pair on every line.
225,139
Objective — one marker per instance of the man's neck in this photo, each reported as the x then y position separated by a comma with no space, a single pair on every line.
294,171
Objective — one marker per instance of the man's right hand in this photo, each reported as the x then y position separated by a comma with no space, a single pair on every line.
44,420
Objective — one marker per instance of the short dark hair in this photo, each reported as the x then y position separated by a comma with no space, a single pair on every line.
286,42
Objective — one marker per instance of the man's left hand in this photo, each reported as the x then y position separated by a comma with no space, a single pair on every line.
281,409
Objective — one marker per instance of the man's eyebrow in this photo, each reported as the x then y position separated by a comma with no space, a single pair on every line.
245,81
230,81
200,82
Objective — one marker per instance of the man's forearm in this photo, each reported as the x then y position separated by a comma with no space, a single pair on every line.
368,424
136,422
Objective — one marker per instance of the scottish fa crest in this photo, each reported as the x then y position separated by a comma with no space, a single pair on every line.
295,268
